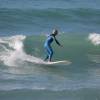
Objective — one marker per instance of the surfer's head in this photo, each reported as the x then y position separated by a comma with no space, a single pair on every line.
54,32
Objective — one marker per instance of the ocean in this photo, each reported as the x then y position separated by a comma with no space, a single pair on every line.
24,26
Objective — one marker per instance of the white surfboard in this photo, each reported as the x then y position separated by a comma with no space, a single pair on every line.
61,62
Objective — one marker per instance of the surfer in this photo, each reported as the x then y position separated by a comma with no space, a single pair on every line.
47,44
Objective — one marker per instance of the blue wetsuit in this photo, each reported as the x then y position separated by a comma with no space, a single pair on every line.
48,47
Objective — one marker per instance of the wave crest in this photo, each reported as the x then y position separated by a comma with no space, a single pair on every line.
94,38
12,52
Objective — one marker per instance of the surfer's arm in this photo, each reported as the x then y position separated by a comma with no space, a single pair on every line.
57,41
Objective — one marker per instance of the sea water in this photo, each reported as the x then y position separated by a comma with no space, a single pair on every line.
24,25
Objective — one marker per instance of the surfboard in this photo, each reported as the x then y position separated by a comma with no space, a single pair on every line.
61,62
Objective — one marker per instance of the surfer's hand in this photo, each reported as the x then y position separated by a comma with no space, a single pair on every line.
61,45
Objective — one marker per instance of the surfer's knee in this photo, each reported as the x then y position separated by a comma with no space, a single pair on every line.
51,53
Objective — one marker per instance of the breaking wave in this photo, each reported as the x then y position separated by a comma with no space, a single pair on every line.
12,53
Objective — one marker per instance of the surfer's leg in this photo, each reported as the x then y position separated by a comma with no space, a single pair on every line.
47,56
50,53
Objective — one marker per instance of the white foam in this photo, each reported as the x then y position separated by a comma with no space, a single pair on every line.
16,55
94,38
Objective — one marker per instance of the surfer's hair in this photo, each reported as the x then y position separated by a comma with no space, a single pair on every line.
54,32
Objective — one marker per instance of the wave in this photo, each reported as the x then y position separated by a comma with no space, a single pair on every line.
32,15
13,54
38,20
16,51
54,84
19,49
51,12
94,38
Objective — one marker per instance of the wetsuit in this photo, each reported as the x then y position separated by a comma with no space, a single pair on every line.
48,47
